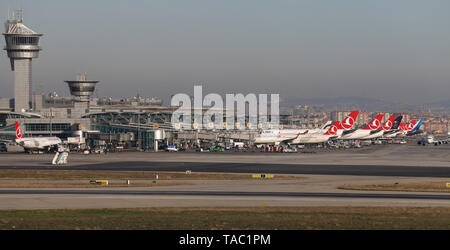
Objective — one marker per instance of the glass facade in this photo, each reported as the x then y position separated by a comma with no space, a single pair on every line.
82,88
46,127
145,137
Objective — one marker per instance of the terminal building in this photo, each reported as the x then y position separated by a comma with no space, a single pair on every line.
129,122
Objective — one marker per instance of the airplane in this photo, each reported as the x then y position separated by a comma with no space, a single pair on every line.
402,130
31,144
390,125
294,132
361,133
346,124
349,121
430,139
323,135
306,137
275,137
416,129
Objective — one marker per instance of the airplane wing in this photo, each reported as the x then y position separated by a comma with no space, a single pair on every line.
287,141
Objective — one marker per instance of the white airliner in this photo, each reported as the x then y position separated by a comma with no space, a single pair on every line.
308,138
290,133
402,130
361,133
386,127
326,134
275,137
31,144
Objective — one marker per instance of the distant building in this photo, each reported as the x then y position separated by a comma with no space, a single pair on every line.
435,127
406,117
362,119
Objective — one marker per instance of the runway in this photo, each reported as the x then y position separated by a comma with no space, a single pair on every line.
220,167
378,160
322,173
202,197
224,193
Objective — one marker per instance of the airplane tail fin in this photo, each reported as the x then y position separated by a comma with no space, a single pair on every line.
18,131
327,125
411,124
397,122
418,124
333,129
348,122
387,125
375,123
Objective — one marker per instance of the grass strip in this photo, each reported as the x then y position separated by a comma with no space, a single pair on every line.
252,218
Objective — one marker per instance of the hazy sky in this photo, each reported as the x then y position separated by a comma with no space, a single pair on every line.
396,50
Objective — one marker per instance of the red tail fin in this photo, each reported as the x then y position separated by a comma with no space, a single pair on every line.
18,132
388,124
411,125
333,129
402,126
375,123
348,121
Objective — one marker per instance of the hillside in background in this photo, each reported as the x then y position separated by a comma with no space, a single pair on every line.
368,104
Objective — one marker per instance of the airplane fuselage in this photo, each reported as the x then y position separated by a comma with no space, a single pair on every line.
375,135
38,143
317,138
355,135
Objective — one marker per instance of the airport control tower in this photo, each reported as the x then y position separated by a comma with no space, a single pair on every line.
82,88
22,45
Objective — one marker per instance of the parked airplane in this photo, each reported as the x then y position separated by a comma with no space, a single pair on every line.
402,129
308,138
416,129
390,125
31,144
275,137
361,133
294,132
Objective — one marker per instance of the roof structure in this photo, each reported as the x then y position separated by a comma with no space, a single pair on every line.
15,25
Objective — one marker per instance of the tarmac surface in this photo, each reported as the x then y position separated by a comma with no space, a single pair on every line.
324,171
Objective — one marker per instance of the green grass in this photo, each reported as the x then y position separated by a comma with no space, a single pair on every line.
258,218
